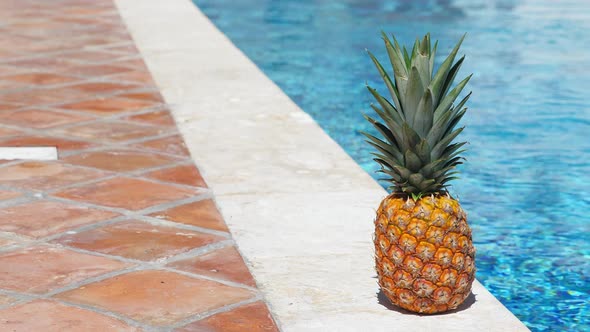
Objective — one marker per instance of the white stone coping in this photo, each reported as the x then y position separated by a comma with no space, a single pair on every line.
299,208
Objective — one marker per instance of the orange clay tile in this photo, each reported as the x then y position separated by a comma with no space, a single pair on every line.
60,143
119,160
45,175
139,240
50,316
185,174
44,218
110,131
43,268
39,118
156,297
108,106
201,213
225,263
126,193
253,317
172,144
161,118
40,78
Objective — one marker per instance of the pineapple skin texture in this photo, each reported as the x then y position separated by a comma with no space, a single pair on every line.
424,253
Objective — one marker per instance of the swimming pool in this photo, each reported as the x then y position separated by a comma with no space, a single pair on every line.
526,179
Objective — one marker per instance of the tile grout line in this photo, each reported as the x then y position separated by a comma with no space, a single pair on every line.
226,308
140,265
136,266
151,209
127,320
92,118
171,224
109,175
123,215
142,214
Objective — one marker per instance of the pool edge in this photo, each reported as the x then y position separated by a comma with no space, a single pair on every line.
247,129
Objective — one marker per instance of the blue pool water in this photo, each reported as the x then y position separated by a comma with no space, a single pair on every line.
527,181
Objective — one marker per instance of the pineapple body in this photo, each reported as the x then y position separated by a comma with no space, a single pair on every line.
423,248
424,253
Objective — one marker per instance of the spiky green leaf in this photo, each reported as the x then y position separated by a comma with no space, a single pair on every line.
448,100
413,94
388,82
441,75
417,152
412,161
424,114
422,150
441,146
432,58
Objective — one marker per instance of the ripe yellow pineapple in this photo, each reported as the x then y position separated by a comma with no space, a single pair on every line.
424,253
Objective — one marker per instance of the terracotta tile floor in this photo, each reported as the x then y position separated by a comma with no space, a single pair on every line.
121,233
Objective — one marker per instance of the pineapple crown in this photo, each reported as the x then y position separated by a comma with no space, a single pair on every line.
416,151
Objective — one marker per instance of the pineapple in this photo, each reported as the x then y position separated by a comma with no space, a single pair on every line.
424,253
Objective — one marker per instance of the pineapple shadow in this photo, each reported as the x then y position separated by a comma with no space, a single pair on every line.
382,299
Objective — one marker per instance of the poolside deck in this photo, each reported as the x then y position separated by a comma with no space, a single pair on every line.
121,233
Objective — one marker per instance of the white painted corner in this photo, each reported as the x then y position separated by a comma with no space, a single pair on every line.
28,153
